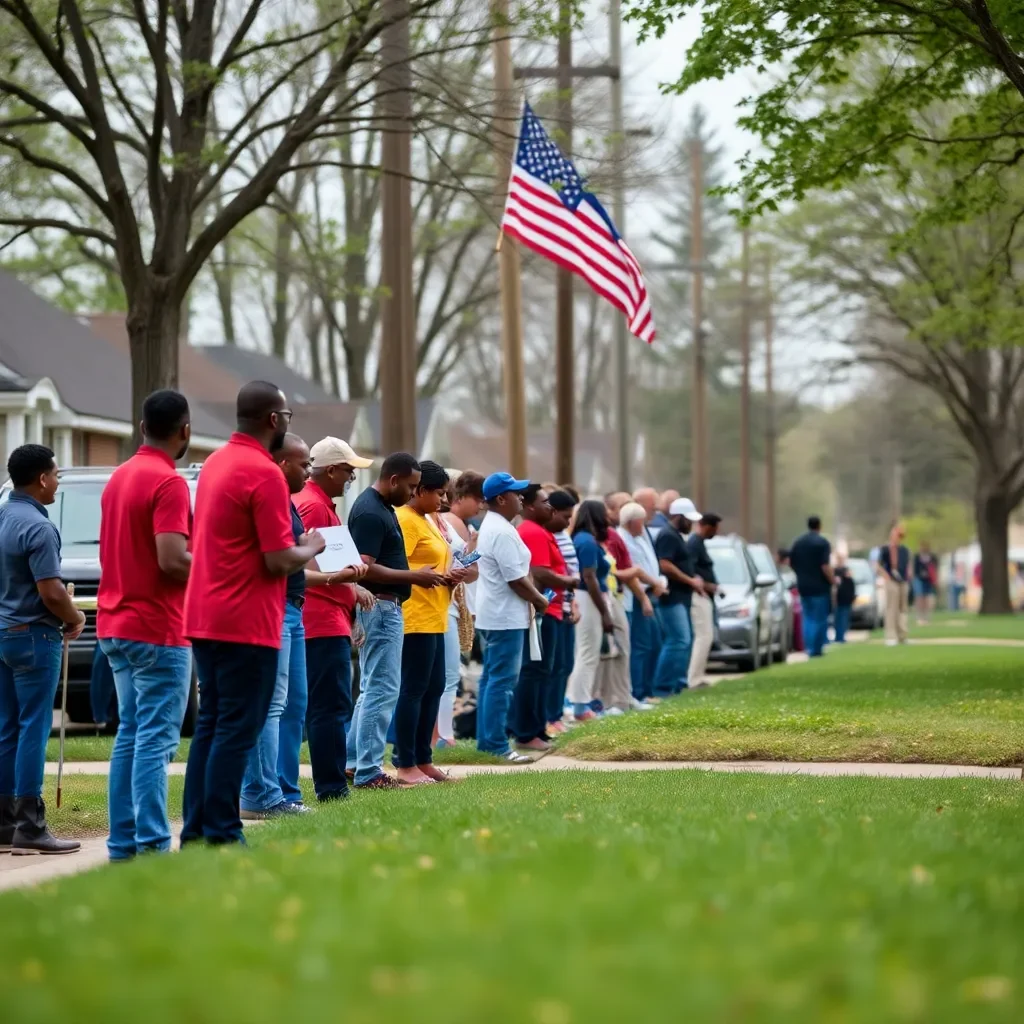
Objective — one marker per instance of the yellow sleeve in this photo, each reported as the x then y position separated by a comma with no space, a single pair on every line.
411,535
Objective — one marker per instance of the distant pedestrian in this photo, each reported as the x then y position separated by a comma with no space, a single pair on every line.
846,593
505,593
243,550
324,707
810,558
894,564
926,578
34,605
702,606
145,527
676,562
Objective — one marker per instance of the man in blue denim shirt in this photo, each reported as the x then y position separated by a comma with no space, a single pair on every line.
33,607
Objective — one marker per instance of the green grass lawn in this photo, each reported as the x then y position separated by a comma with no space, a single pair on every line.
569,899
945,705
967,626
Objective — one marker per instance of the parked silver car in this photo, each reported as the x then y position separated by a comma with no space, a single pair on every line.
780,601
869,604
744,634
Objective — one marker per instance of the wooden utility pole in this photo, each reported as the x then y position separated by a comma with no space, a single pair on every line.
565,377
624,462
698,412
508,255
565,361
398,330
769,416
745,387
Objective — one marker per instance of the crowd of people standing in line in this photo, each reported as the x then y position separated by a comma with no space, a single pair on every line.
601,603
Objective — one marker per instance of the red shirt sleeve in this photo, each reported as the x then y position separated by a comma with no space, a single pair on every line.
270,502
540,550
172,507
617,546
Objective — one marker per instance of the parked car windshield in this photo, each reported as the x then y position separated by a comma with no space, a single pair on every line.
729,564
763,560
860,570
77,515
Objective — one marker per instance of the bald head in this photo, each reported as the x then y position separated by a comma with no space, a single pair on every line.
614,502
292,455
261,413
647,499
665,500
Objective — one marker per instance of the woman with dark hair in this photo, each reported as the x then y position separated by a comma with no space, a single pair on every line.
425,619
589,534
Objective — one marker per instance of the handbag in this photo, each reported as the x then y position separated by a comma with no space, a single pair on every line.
467,630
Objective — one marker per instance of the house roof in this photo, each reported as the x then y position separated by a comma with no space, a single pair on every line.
424,412
247,364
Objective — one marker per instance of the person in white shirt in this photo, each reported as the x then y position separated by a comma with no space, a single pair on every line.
645,631
505,592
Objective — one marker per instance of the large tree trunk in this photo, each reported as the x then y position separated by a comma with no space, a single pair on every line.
992,515
154,318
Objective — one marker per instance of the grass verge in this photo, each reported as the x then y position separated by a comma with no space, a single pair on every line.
967,626
940,705
589,897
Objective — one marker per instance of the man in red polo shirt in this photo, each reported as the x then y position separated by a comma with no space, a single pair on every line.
242,551
144,529
327,617
528,714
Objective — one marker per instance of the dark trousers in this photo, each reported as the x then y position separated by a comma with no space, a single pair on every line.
418,698
329,674
841,619
565,659
236,683
527,716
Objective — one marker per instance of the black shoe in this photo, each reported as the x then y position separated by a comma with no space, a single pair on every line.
7,822
31,834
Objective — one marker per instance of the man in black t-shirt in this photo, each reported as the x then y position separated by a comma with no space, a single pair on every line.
376,533
810,559
674,606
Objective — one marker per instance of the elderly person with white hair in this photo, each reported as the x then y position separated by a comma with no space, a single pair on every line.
644,627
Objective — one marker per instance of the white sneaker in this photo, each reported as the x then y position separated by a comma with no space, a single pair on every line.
613,712
639,705
891,643
513,758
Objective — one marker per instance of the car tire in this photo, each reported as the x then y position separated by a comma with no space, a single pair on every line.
188,725
79,707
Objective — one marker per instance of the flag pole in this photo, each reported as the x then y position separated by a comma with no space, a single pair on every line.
508,258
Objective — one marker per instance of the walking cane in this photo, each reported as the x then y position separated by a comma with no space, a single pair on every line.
63,706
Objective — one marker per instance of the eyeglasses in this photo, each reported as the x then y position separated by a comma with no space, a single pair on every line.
286,413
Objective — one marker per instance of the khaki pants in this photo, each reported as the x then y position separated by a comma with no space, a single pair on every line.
613,688
588,651
896,596
702,619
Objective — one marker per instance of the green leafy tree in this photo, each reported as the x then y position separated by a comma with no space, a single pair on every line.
851,89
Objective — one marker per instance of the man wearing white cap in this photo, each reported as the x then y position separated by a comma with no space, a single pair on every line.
327,619
676,564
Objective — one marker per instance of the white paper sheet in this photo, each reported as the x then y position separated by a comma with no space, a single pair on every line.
341,551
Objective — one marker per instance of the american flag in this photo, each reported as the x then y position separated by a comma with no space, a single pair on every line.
550,211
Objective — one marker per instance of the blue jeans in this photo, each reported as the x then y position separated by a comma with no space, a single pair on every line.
261,788
816,609
645,648
677,643
380,672
842,622
527,717
565,657
236,683
30,658
329,670
152,684
503,657
102,691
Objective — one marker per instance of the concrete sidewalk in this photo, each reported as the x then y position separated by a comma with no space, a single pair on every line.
555,762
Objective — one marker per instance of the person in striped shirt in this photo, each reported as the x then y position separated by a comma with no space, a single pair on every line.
563,503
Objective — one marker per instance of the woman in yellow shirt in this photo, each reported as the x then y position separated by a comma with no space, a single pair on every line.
425,616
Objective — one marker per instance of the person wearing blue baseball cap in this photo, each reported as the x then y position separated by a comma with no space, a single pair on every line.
505,592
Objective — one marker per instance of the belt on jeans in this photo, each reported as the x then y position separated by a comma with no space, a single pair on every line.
388,597
296,602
